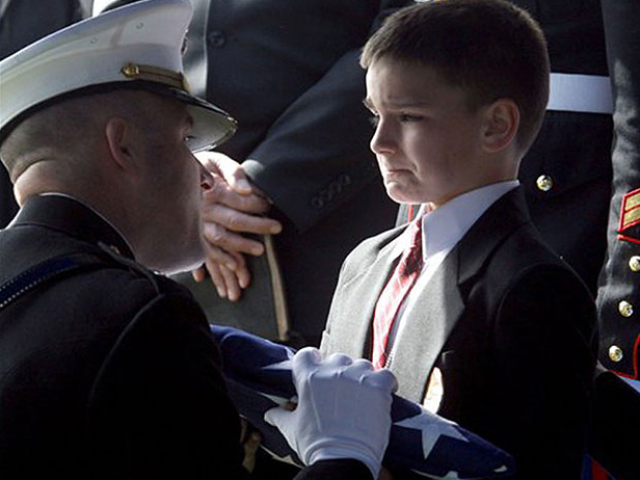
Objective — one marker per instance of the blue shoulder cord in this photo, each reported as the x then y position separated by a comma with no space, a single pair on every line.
35,276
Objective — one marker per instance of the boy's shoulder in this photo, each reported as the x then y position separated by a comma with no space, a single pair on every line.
504,249
525,265
370,248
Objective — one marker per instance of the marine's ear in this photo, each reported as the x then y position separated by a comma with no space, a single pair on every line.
121,142
500,125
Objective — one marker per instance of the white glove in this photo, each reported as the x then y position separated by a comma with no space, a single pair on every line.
344,409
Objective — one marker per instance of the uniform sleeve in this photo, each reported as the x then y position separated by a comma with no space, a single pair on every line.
159,407
618,293
336,470
316,155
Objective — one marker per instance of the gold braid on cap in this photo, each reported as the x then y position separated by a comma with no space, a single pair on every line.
134,71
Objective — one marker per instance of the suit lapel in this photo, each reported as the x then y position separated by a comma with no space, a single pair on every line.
441,305
352,309
426,330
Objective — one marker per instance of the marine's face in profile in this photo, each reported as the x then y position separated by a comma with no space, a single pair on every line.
426,138
173,183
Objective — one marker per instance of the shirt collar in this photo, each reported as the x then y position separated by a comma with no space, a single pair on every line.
445,226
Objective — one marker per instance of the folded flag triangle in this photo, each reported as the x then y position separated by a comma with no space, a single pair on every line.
258,374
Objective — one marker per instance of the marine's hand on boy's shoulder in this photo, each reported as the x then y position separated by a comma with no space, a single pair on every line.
231,208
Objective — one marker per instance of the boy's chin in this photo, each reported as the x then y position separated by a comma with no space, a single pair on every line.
401,194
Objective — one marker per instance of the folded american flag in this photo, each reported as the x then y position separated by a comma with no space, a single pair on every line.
258,374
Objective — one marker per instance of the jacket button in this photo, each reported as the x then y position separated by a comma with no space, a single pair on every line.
544,183
615,353
634,263
625,308
217,39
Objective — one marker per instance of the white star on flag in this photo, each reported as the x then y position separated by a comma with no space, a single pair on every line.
431,430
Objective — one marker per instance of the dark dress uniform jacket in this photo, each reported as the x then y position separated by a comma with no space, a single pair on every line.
111,371
619,292
567,172
510,326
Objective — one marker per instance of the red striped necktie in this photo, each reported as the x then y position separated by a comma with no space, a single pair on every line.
395,291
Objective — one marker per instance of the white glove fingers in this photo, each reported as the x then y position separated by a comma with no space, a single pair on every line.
382,379
306,360
337,361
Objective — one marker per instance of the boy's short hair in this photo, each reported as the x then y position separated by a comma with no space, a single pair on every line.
490,48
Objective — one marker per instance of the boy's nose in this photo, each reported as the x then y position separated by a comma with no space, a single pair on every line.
382,142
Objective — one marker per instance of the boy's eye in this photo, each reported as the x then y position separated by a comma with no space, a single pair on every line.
188,138
374,120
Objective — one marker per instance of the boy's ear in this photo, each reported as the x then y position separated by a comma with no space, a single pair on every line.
120,142
501,122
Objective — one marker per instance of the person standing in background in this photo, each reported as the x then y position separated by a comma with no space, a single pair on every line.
619,289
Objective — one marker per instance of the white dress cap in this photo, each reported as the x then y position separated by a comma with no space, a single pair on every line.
135,46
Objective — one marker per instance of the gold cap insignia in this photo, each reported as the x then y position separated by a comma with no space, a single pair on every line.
135,71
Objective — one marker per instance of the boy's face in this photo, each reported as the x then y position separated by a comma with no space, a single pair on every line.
427,141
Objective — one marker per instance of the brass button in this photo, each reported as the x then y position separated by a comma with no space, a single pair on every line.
130,70
544,183
625,308
634,263
615,354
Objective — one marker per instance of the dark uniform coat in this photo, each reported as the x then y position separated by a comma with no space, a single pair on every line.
494,319
567,172
111,371
619,292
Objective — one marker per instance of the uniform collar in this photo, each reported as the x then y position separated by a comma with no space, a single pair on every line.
72,217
